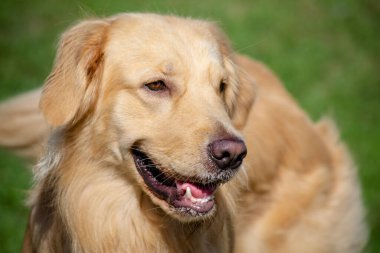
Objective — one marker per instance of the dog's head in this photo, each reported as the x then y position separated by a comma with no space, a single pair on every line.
162,94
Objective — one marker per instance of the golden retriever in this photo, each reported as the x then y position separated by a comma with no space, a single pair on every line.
165,140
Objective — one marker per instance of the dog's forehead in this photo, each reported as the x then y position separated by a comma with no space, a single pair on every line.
158,38
211,49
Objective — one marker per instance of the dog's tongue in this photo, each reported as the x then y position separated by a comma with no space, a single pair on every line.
197,191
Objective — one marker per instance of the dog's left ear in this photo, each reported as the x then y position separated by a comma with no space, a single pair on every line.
72,86
241,95
244,97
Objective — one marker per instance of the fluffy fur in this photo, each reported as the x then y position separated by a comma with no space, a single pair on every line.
22,127
297,190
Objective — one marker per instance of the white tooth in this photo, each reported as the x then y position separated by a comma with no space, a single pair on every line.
202,200
188,193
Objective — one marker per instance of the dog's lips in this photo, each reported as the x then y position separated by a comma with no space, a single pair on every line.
188,197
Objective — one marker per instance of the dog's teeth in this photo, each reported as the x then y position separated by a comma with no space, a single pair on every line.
202,200
188,194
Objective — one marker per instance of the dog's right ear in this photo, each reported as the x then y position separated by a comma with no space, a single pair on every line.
71,88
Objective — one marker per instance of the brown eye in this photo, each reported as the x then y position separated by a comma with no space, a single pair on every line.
156,86
222,87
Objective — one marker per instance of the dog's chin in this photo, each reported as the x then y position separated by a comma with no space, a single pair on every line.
186,199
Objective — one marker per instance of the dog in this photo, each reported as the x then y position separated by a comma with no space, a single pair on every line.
165,140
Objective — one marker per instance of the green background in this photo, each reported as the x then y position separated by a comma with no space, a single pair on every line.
326,52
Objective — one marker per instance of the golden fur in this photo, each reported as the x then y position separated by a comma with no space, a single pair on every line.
22,127
296,191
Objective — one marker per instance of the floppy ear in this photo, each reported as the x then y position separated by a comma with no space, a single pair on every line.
244,98
71,87
240,97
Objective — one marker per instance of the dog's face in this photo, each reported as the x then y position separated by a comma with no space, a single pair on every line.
167,90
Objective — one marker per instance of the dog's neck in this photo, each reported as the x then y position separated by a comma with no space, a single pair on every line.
92,207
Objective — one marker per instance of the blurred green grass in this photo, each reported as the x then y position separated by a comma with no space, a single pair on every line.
326,52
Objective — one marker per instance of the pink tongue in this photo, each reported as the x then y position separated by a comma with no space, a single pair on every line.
197,191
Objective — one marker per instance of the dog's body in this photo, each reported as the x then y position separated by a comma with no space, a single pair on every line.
22,127
136,88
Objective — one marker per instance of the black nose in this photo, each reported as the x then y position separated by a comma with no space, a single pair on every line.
227,153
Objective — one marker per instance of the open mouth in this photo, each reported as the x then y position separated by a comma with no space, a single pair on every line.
187,196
